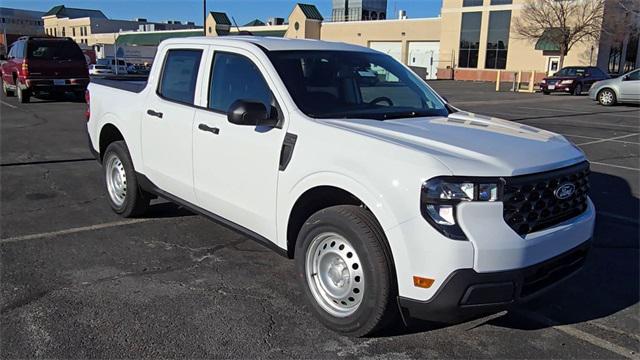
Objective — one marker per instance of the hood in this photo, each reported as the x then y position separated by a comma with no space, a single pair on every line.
474,145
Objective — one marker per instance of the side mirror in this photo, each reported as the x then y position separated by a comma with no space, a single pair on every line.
250,113
625,78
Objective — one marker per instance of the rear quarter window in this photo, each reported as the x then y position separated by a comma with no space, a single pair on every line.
54,50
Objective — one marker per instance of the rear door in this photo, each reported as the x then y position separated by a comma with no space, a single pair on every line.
55,59
168,121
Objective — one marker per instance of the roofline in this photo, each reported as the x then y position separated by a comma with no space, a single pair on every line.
158,31
379,21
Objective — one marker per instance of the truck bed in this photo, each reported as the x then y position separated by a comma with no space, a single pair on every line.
126,83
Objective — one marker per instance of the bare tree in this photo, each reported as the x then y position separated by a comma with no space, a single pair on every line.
567,22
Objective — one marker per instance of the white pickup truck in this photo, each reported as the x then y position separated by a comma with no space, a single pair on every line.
392,202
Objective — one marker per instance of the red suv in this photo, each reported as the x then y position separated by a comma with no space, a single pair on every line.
44,64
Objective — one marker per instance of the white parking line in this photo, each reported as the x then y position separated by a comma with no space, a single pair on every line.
9,105
614,166
581,335
597,138
609,139
73,230
610,113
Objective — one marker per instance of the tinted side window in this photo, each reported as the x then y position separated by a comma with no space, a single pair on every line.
179,75
234,77
634,75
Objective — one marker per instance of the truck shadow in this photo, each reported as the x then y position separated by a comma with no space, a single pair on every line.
608,283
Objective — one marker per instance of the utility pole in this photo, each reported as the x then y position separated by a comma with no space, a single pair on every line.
204,14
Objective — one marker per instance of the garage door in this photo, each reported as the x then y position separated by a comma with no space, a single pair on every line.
425,54
393,48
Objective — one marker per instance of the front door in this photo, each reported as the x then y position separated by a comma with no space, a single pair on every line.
630,86
236,166
553,65
167,123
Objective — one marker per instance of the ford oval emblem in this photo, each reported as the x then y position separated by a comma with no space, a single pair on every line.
565,191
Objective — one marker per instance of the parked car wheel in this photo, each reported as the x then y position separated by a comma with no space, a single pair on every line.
5,90
577,90
546,92
124,194
345,271
24,95
607,97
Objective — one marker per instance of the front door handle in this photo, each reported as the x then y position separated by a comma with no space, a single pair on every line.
154,113
205,127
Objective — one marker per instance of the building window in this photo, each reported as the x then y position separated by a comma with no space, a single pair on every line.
73,31
472,2
501,2
632,52
382,16
615,55
469,39
498,39
64,32
55,31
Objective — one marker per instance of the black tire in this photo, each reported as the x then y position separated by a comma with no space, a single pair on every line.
607,97
577,90
378,308
24,95
6,91
136,201
546,93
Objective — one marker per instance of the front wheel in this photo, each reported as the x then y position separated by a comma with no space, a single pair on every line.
345,271
125,196
607,97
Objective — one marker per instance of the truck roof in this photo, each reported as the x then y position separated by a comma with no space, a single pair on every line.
269,43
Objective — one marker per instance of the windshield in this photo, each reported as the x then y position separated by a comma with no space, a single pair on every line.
571,72
345,84
54,50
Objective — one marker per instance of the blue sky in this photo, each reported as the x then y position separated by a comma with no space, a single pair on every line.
243,10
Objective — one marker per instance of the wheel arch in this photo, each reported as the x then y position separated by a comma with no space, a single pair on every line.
107,135
318,195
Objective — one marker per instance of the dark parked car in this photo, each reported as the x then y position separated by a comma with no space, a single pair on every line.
44,64
572,80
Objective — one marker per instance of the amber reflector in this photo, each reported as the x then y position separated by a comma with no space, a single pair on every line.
422,282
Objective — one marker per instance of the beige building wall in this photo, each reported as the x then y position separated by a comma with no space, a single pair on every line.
78,29
364,32
521,55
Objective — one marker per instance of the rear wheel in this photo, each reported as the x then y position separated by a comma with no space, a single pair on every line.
125,196
577,90
24,95
345,271
546,92
607,97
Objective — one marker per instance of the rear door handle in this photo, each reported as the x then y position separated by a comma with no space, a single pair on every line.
154,113
205,127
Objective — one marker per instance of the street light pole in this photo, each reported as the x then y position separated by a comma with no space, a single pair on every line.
204,14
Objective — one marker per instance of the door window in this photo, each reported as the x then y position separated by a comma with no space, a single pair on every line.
179,75
634,76
235,77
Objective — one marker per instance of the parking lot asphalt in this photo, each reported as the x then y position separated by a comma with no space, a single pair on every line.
77,281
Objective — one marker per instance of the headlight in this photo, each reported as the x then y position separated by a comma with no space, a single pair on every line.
440,197
567,82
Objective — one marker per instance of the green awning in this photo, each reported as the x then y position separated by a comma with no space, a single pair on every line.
550,40
272,33
153,38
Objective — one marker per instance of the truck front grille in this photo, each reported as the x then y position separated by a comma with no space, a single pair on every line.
531,202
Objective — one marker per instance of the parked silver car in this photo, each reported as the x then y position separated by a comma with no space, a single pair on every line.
625,88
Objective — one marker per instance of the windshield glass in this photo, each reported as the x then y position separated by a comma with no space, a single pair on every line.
571,72
54,50
344,84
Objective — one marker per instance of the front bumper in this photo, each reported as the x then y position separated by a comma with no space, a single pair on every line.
72,84
466,294
563,88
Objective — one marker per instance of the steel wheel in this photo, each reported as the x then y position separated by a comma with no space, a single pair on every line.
334,274
606,97
116,180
